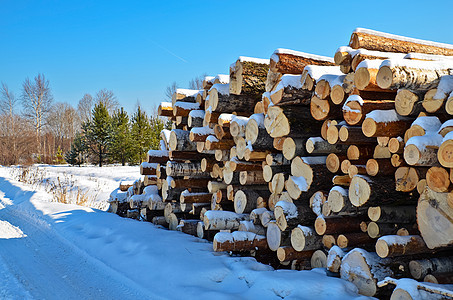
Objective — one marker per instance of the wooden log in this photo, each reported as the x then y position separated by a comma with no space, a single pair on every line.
394,245
408,103
438,179
250,226
442,278
270,171
289,91
353,135
422,150
195,118
333,162
365,77
199,134
366,191
184,95
188,197
228,103
412,290
247,200
280,122
397,160
165,109
364,269
179,141
237,126
251,177
248,76
317,145
304,238
293,147
188,226
338,200
318,259
275,237
285,61
223,220
355,153
188,183
187,155
355,239
334,258
278,182
410,74
238,241
384,123
435,265
390,214
325,126
434,211
444,155
184,169
273,159
355,108
376,230
336,224
342,180
182,109
381,167
396,145
323,109
379,41
288,215
287,253
212,143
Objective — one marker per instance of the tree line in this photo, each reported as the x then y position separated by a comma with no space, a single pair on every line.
35,129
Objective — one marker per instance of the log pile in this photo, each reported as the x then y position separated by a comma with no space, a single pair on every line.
307,161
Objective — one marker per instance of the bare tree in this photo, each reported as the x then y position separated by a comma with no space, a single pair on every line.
197,82
108,99
7,100
37,100
170,90
84,107
63,123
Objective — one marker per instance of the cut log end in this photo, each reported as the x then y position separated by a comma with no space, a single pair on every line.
384,77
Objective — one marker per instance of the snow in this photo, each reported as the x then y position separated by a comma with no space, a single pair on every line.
339,189
202,130
370,64
445,87
352,98
222,237
275,58
158,153
209,78
66,251
332,79
187,105
166,134
150,189
289,209
167,105
333,252
421,142
259,119
147,165
221,88
448,123
316,204
289,80
354,52
384,116
301,182
198,113
241,121
253,59
448,136
222,78
315,140
402,38
396,239
428,123
118,195
314,160
417,64
424,56
212,139
226,118
187,92
317,71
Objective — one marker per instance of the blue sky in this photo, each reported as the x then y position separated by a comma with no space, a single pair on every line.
137,48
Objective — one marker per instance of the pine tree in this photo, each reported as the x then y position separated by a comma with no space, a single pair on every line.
141,133
75,156
120,142
97,132
157,124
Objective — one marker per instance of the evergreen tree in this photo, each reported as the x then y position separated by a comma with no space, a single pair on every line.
157,124
141,133
120,143
97,132
75,156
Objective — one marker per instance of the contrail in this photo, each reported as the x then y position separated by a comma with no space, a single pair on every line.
165,49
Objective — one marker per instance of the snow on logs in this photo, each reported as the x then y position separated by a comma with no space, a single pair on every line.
296,156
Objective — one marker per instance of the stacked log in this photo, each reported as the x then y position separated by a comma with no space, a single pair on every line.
340,163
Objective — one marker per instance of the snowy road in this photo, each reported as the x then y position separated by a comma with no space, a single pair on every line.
45,266
51,250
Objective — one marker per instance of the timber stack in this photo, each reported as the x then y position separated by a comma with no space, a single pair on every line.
305,161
